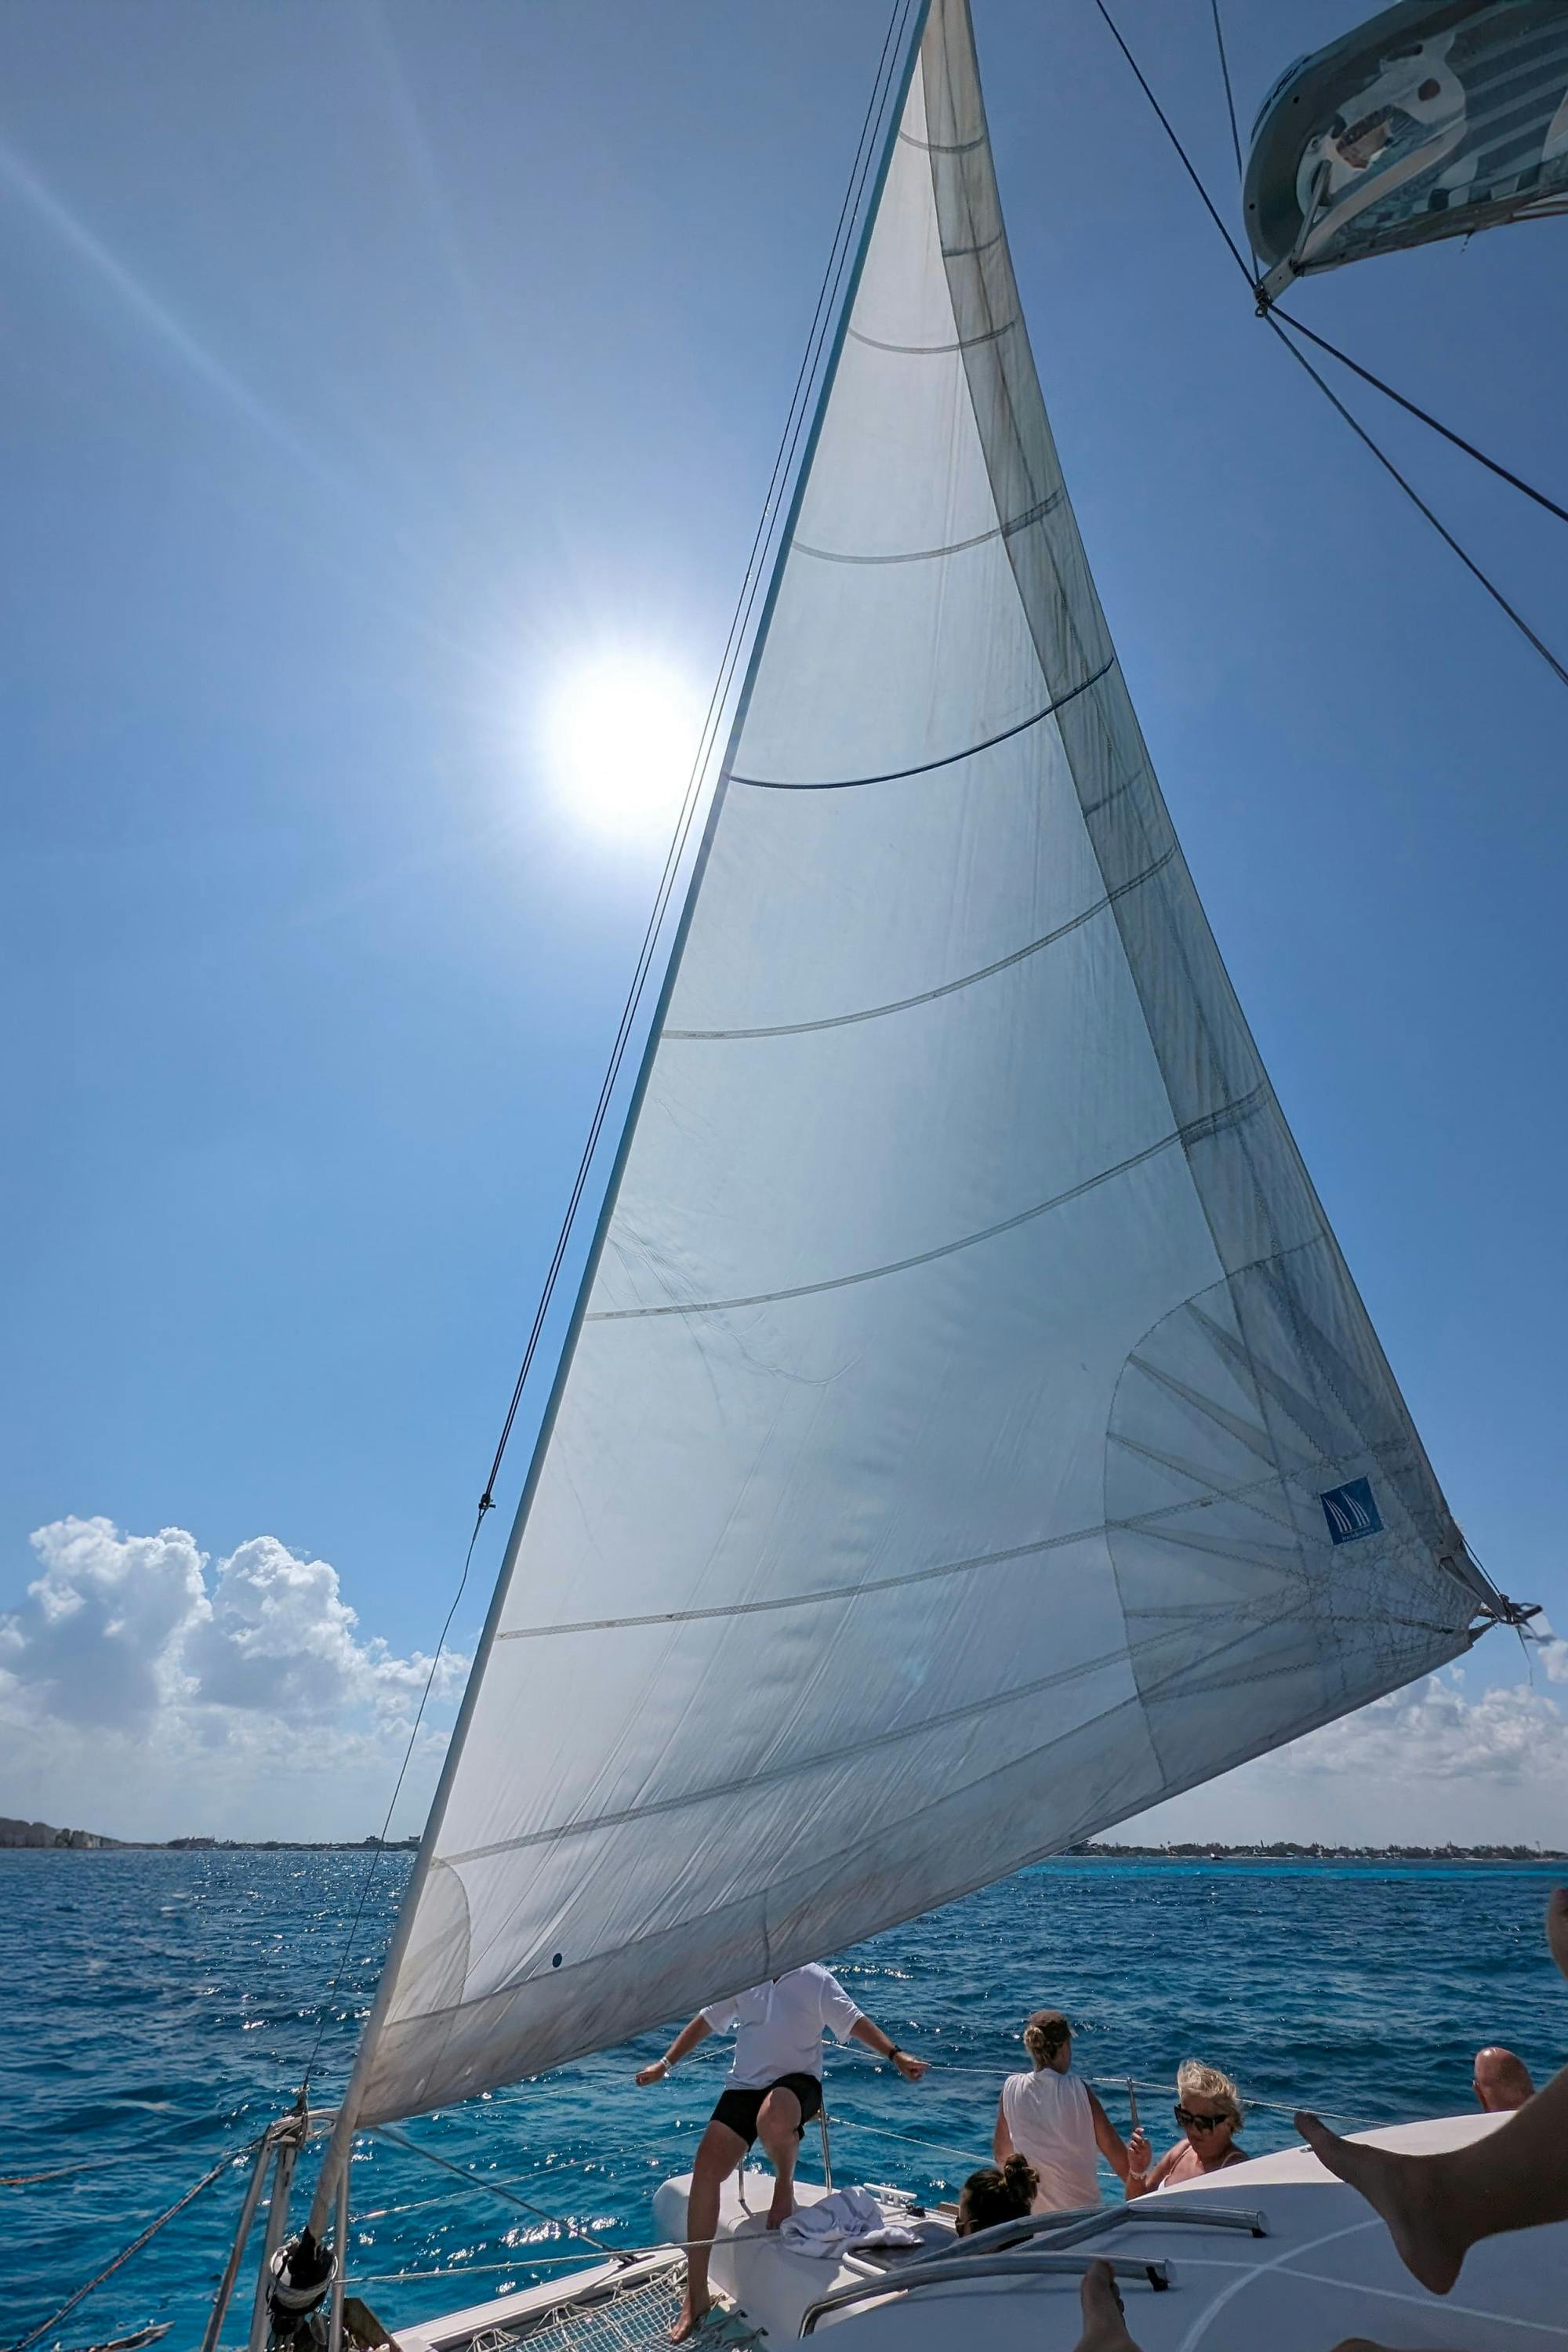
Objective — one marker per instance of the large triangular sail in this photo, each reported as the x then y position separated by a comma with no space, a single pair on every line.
973,1433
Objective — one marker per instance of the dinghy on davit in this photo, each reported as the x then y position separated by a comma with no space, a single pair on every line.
969,1431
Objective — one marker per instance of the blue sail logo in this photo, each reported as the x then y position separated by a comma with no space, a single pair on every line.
1350,1511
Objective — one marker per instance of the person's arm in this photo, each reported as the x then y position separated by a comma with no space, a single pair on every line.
687,2039
1002,2145
1140,2179
1108,2140
863,2029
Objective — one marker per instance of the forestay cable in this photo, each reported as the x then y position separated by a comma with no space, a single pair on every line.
755,572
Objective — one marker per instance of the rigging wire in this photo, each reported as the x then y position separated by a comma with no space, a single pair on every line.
752,579
1516,481
1230,110
839,253
492,2188
1169,129
372,1861
1444,533
1357,428
230,2156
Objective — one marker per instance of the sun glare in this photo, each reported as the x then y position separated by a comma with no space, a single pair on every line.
621,735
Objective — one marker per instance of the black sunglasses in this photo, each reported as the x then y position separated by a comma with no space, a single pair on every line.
1189,2122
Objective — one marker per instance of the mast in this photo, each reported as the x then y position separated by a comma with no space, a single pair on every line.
344,2124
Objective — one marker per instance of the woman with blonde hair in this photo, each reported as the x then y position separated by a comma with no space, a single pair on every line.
1208,2109
1052,2118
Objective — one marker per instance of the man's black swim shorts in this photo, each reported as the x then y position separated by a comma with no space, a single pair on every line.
739,2108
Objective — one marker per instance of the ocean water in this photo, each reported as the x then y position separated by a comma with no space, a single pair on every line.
158,2009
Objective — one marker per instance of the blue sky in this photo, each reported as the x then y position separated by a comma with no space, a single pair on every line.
366,370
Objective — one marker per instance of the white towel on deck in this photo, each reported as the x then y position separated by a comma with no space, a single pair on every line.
849,2217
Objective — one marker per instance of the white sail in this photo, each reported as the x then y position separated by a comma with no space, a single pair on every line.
939,1473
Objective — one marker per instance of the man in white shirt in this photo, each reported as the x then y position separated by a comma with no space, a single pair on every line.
773,2091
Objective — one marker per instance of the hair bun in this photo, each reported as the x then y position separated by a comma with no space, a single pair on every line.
1021,2176
1044,2034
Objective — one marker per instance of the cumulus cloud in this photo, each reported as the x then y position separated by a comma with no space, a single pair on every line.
92,1640
1553,1653
1510,1733
145,1642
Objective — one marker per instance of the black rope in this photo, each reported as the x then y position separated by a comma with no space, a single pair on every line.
798,410
1358,429
1459,440
1229,98
1169,129
1520,623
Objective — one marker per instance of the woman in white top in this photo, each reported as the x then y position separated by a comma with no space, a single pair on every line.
1055,2120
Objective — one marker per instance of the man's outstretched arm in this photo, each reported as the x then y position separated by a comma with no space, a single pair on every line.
685,2040
863,2029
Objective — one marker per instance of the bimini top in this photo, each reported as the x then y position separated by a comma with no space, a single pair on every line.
1437,117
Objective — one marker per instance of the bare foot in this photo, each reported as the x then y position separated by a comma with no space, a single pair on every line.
1557,1925
1104,2328
783,2205
690,2321
1404,2190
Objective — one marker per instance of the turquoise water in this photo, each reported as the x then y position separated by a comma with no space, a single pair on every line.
158,2008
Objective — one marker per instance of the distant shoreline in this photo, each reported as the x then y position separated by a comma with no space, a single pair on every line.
34,1837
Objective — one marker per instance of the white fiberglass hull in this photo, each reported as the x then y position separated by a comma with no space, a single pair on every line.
1324,2271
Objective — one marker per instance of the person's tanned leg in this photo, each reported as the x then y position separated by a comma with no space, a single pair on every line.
1104,2328
1437,2207
719,2151
778,2129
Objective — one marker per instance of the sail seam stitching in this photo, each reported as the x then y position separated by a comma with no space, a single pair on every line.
818,1763
927,767
1169,1786
933,351
1196,1130
930,554
948,987
936,147
722,1611
1257,1621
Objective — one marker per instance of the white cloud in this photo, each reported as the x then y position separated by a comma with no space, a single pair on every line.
92,1637
1510,1733
1553,1655
1424,1765
133,1658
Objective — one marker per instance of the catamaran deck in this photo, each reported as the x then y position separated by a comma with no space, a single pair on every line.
1281,2256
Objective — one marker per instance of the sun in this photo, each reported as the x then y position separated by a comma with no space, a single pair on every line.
621,734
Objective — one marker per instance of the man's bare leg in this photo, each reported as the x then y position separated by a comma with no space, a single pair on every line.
719,2151
1437,2207
778,2129
1104,2328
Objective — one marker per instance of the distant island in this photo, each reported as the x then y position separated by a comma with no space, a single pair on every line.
40,1834
1287,1849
